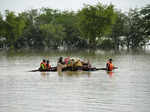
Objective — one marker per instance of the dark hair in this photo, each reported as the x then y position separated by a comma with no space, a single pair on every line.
44,60
110,59
47,61
60,59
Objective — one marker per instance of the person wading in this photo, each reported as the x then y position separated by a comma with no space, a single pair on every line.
109,65
60,64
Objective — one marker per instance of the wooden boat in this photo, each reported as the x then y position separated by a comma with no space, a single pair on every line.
54,69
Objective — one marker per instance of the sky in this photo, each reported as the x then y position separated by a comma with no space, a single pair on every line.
73,5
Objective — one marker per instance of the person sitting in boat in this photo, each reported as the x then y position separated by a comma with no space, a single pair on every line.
70,64
43,65
66,60
109,65
78,65
48,66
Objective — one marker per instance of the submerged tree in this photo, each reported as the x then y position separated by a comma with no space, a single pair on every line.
52,34
118,30
69,21
145,15
2,26
96,21
135,30
94,26
14,27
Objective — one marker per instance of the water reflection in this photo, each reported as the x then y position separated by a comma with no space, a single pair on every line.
74,73
44,74
77,73
110,73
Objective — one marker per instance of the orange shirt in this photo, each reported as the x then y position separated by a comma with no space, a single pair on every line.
48,66
110,66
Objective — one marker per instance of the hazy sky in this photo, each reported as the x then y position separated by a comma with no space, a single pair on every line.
21,5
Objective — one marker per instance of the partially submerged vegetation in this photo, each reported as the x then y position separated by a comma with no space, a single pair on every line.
94,26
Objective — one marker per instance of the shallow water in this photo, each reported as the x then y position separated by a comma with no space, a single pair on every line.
127,89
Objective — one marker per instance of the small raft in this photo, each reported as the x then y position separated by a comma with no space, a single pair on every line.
54,69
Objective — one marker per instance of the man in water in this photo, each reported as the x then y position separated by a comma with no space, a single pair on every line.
60,64
109,65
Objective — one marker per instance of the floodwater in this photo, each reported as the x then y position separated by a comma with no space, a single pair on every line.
126,89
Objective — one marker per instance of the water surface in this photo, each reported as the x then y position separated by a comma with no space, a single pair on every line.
127,89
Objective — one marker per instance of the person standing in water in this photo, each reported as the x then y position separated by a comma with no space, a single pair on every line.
60,64
109,65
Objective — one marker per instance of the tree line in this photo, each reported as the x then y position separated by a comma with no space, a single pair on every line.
94,26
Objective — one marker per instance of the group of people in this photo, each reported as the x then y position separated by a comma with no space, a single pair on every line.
72,64
45,65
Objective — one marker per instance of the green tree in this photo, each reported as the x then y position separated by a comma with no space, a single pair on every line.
2,26
69,21
145,15
135,30
32,36
66,24
46,16
53,34
14,28
118,30
96,21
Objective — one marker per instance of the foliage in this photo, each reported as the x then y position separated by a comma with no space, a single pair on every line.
118,29
96,21
107,44
135,34
14,27
2,25
94,26
53,34
145,14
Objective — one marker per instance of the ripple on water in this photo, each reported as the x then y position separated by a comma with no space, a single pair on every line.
126,90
